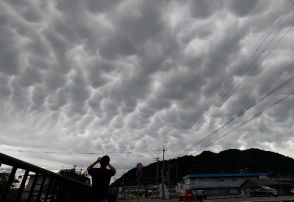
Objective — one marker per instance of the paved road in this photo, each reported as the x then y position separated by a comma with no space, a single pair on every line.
257,199
251,199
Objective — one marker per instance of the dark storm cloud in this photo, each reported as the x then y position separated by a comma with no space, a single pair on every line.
204,9
4,88
101,6
9,52
38,97
98,71
243,8
124,76
30,77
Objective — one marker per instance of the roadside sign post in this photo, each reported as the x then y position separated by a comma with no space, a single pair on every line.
138,188
139,174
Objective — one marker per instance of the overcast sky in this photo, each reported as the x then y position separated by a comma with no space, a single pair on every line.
125,78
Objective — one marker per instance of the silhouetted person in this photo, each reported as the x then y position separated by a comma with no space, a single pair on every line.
101,178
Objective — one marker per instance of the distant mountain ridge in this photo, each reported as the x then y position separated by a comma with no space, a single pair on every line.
228,161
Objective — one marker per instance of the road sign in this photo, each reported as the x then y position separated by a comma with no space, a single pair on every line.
139,171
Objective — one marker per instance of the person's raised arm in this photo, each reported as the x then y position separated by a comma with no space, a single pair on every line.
93,164
112,168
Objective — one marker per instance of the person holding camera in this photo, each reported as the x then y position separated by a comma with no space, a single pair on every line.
101,179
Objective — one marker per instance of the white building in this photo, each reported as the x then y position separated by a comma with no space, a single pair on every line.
220,184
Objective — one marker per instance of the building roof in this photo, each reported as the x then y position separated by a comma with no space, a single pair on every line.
267,182
217,186
223,175
290,180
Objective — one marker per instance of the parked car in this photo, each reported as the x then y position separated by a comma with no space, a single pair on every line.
193,195
200,193
262,190
187,196
292,190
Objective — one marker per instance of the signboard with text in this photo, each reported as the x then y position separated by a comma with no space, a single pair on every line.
139,171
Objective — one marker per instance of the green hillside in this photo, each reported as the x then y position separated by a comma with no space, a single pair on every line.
228,161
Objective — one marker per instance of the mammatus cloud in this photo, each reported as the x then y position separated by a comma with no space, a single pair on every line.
127,77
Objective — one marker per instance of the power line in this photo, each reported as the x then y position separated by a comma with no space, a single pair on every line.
252,118
78,153
219,130
264,51
239,115
279,87
257,47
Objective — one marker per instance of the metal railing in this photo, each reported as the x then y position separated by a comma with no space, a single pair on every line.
39,184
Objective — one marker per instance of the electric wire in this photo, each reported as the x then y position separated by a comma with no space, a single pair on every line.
78,153
242,113
252,118
266,53
262,52
245,61
263,98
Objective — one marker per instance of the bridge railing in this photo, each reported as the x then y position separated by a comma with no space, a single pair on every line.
38,184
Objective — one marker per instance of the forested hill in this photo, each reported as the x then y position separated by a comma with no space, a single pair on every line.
228,161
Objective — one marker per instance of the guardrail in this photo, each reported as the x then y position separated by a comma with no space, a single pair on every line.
39,184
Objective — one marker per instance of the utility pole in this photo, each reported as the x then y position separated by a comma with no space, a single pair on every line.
157,178
168,180
163,194
176,174
123,186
